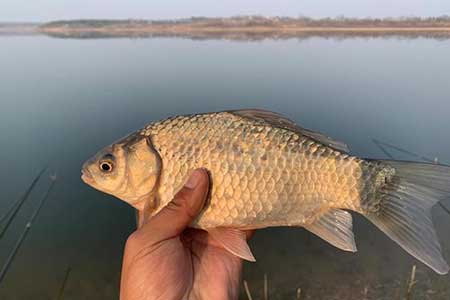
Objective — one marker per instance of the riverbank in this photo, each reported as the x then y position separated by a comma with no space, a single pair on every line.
248,27
19,28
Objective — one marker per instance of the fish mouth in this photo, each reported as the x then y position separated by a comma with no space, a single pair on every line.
86,176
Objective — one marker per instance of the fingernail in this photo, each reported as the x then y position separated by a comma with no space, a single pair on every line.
193,180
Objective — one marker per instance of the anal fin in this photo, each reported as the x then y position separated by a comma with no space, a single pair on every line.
233,240
335,227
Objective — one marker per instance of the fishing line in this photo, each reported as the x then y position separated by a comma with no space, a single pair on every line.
25,232
381,146
18,204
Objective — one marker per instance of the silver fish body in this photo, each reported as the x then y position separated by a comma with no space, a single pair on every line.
268,171
262,175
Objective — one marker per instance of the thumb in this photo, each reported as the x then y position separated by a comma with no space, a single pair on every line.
181,211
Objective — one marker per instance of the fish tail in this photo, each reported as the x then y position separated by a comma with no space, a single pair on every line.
404,209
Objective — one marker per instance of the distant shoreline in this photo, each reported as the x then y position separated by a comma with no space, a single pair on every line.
186,29
241,28
249,28
19,28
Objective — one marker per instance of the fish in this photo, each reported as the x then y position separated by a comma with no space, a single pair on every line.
265,171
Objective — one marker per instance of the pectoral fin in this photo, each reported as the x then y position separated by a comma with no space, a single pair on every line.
234,241
335,227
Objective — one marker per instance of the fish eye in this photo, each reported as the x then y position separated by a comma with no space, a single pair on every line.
106,164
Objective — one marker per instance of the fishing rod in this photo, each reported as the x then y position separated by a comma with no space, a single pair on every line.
380,145
25,231
9,210
63,285
15,207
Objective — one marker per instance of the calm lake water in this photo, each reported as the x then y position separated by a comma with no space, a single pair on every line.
62,100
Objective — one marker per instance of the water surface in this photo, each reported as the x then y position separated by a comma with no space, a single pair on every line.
62,100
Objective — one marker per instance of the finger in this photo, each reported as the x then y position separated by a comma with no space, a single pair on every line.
203,237
139,218
181,211
249,234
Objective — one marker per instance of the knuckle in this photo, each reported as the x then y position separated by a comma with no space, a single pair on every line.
180,205
136,249
189,213
180,200
134,240
176,205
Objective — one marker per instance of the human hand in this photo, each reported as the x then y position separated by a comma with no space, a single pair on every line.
166,260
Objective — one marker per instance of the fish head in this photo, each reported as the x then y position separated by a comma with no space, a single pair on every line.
128,169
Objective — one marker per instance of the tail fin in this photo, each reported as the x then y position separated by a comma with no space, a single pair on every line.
404,213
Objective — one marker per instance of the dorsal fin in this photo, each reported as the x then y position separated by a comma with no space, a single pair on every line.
280,121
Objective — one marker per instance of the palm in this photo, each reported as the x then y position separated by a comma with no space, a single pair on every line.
189,266
165,259
213,267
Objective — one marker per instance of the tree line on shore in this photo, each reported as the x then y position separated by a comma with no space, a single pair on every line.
252,21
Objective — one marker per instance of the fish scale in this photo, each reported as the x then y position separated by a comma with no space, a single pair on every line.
261,175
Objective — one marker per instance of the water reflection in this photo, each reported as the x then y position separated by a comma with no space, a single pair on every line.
62,103
256,36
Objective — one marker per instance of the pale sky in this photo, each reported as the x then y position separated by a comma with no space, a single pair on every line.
45,10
